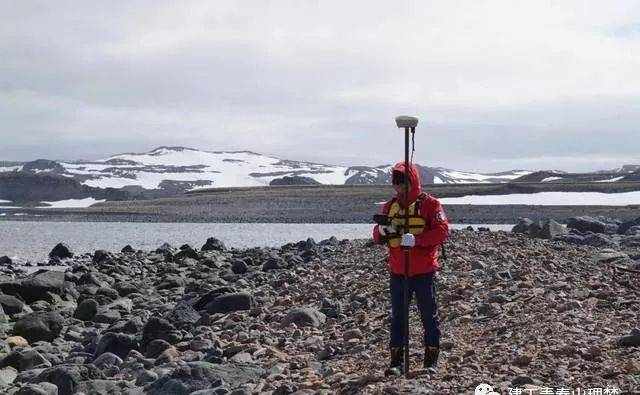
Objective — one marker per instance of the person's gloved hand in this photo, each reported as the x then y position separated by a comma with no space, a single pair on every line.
408,240
386,230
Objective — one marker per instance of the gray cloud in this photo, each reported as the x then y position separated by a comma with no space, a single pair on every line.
495,86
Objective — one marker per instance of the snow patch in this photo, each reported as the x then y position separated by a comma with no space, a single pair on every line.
550,199
73,203
548,179
10,168
465,177
612,179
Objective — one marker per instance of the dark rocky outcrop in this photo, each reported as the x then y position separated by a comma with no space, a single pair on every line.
294,180
43,165
25,186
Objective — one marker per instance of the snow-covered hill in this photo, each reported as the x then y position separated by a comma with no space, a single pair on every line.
175,169
446,176
180,168
195,169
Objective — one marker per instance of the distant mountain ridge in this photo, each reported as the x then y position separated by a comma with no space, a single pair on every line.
150,169
168,170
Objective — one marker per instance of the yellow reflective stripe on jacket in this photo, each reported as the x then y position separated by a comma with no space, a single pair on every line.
416,222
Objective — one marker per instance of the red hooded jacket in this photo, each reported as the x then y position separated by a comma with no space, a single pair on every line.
424,256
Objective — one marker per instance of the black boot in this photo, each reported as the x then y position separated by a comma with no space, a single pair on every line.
430,358
395,365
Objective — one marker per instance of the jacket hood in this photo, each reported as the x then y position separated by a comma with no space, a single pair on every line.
415,187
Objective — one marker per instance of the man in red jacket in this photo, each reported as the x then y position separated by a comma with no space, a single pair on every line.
428,223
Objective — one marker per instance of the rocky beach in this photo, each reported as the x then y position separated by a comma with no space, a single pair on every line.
542,307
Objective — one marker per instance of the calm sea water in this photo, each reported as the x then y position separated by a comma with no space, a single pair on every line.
33,240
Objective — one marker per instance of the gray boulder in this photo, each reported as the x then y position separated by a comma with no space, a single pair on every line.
187,252
198,376
586,224
156,347
100,256
239,266
633,231
183,315
571,238
610,256
119,344
39,286
107,316
107,360
103,387
158,328
330,308
546,229
213,244
551,229
39,326
165,248
25,360
67,377
522,226
631,340
86,310
272,263
11,305
304,316
599,240
231,302
625,226
43,388
61,251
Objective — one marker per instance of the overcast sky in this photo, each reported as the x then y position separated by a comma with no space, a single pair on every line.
496,85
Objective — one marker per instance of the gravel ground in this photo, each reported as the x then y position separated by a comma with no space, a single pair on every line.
312,318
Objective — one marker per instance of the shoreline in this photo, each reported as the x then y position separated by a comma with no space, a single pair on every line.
303,212
18,242
333,204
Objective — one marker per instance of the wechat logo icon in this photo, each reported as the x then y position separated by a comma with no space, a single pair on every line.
485,389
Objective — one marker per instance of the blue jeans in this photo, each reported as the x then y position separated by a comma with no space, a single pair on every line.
423,287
